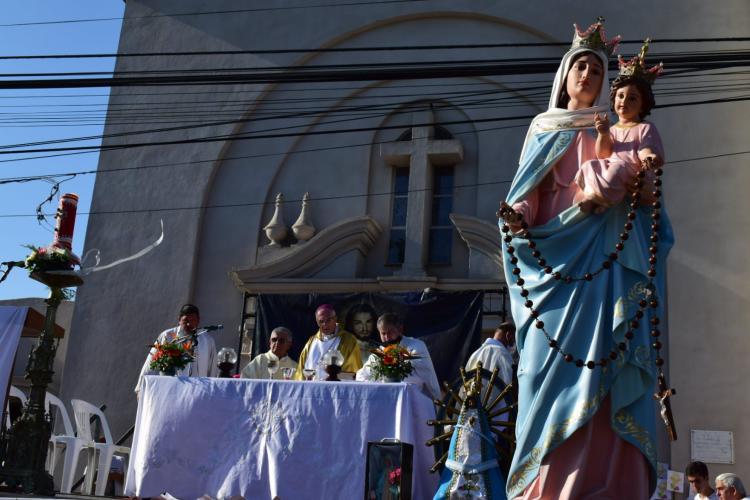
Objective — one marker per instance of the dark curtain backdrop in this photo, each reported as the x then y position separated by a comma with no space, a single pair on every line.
450,323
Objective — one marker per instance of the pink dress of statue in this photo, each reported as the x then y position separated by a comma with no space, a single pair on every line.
594,462
605,181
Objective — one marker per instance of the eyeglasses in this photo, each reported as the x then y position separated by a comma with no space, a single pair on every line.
278,340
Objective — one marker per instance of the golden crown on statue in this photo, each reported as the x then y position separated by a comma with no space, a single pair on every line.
636,67
594,38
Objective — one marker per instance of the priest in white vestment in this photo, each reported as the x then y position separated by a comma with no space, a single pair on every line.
280,343
496,352
329,337
391,329
204,353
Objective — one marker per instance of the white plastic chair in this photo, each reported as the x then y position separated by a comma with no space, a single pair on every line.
83,412
67,442
14,392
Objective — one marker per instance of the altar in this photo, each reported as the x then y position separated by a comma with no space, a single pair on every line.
266,438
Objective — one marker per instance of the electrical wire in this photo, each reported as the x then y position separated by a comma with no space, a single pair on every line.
319,198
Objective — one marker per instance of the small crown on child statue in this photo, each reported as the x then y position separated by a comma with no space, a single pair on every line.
593,38
636,67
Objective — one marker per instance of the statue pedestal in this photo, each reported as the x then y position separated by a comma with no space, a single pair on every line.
23,449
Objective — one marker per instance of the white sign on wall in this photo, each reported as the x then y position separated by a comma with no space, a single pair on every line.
713,447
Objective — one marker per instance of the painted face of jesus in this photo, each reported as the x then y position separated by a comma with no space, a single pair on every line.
584,81
362,324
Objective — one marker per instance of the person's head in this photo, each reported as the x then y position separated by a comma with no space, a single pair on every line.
583,81
360,320
697,476
631,98
390,327
281,341
729,487
189,317
325,317
506,333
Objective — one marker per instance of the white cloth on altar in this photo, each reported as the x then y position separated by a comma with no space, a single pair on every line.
204,364
317,349
423,376
267,438
258,367
493,354
11,325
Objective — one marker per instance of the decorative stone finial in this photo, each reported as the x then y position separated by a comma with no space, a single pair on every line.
303,228
276,230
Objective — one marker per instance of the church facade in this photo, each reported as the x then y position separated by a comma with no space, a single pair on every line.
378,184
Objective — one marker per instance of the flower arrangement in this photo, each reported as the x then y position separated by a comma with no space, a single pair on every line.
393,362
171,356
51,258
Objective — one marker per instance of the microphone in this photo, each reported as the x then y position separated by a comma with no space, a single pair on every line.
211,328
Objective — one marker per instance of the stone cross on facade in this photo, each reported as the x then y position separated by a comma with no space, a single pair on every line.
420,154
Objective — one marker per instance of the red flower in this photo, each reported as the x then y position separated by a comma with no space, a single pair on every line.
395,476
389,360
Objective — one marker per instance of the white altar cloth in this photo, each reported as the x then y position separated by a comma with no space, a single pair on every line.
263,438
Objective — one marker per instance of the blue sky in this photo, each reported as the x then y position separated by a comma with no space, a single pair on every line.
25,116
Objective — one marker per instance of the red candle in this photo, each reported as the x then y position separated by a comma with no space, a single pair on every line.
66,221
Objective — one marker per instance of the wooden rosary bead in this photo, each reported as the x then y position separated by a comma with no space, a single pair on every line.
520,281
542,262
623,236
529,304
557,275
510,249
548,269
569,358
590,365
540,324
505,228
536,254
629,333
553,343
524,293
508,238
659,362
656,345
532,244
588,277
655,332
606,264
619,247
622,346
579,363
516,271
612,355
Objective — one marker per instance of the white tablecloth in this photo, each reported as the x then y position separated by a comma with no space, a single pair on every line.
262,438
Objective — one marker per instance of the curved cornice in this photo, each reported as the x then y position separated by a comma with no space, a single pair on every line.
479,235
356,233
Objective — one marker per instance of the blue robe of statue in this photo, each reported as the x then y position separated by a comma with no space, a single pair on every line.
587,319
